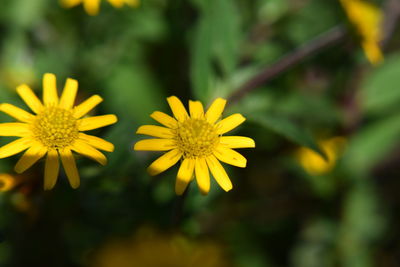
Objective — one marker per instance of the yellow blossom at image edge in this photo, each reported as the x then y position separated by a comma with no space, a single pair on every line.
198,140
367,20
55,129
7,182
92,7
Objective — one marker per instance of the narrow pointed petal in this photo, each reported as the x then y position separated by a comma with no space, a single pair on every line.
219,173
67,99
164,119
29,97
89,151
214,112
14,129
92,7
86,106
15,147
177,108
155,145
237,142
202,176
16,112
30,157
51,169
372,51
229,123
156,131
230,156
184,176
196,109
50,95
164,162
91,123
70,168
97,142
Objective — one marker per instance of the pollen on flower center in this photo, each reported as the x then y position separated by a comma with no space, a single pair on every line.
196,138
55,128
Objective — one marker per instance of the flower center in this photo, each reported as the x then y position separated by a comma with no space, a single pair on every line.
196,138
55,128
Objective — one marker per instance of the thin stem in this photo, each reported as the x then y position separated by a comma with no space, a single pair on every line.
177,210
321,42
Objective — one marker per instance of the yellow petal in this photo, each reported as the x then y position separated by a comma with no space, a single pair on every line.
92,7
133,3
51,170
67,99
196,109
184,176
91,123
97,142
202,176
70,3
372,52
89,151
164,162
219,173
229,123
164,119
30,157
29,97
7,182
116,3
69,164
215,110
14,129
15,147
230,156
155,145
237,141
50,95
177,108
16,112
156,131
86,106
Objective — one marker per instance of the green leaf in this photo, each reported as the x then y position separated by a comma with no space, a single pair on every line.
288,129
381,87
216,40
372,143
201,70
132,93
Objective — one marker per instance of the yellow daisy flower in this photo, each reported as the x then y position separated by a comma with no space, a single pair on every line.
197,139
314,164
367,19
92,6
55,129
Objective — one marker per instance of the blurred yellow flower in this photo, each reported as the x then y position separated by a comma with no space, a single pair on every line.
197,138
55,129
7,182
314,164
150,249
367,20
92,6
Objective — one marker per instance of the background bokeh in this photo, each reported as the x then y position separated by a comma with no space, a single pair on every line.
280,212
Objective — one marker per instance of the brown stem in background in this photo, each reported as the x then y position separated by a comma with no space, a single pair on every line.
321,42
392,14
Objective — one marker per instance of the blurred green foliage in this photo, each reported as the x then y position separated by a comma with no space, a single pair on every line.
277,214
